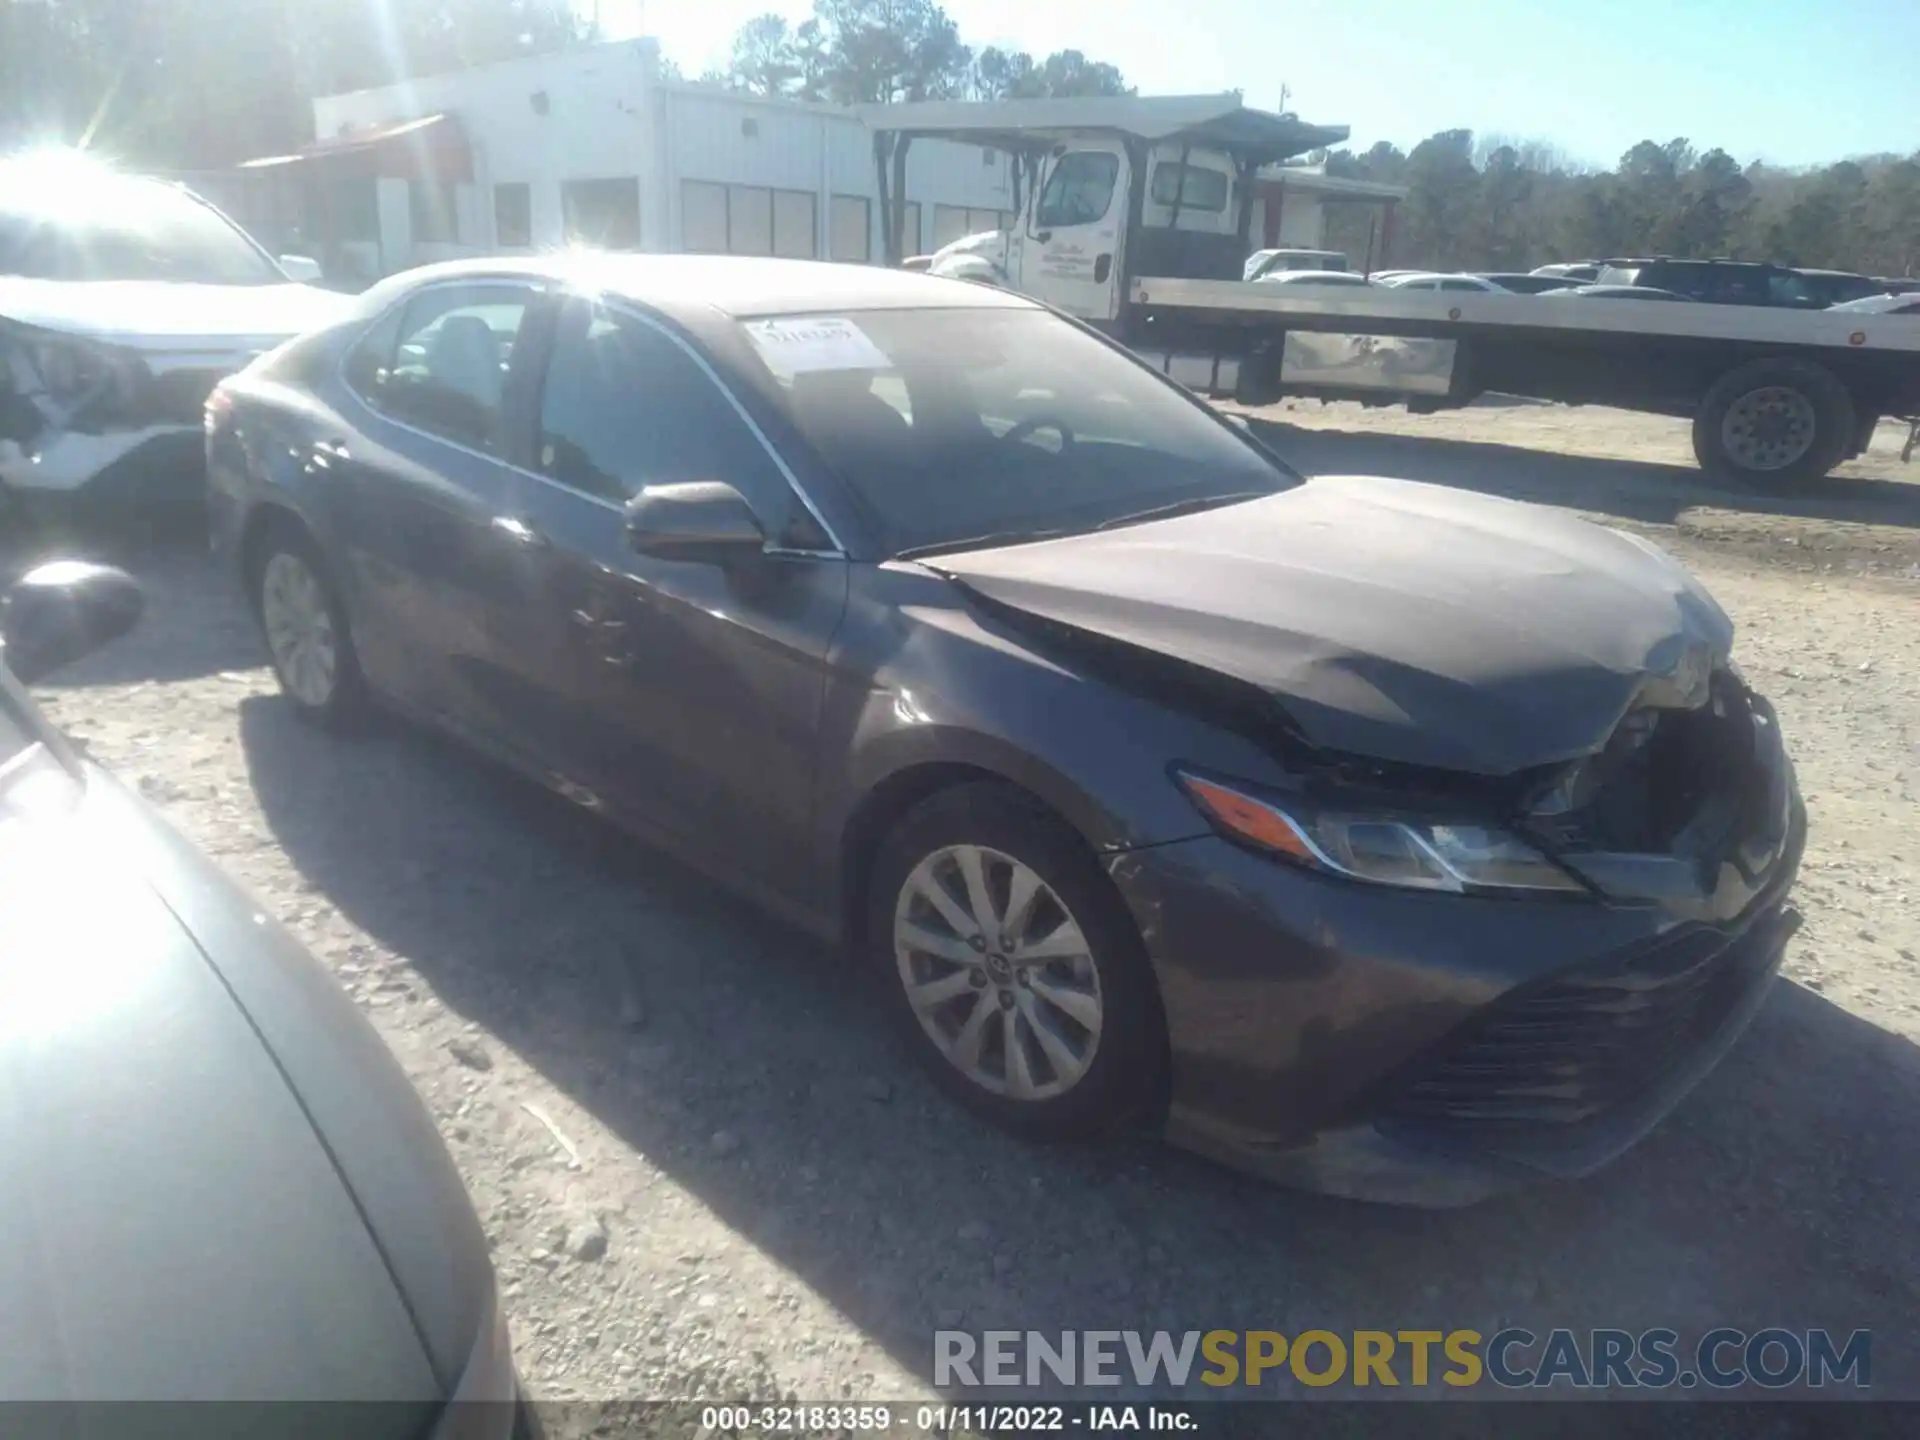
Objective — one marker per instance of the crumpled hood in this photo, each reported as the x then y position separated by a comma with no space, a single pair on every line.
1401,621
159,314
174,1229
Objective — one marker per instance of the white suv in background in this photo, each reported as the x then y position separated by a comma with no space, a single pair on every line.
123,301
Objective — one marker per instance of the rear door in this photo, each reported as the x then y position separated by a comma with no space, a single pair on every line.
695,688
419,492
1072,251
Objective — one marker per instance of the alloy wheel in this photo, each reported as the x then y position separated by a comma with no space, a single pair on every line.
299,624
998,972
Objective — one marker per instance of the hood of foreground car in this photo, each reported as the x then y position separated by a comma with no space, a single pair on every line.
174,1227
1401,621
169,315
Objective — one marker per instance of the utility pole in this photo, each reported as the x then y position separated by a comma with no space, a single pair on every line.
1286,94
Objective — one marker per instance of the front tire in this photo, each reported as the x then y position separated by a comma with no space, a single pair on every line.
1012,967
305,627
1774,425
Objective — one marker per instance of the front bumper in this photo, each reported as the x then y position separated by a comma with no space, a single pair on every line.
153,462
1433,1049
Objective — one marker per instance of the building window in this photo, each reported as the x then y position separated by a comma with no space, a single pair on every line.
794,224
703,218
746,220
602,213
513,216
430,199
852,237
952,222
910,230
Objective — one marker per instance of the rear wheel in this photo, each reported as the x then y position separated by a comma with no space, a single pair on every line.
1013,967
1774,424
306,631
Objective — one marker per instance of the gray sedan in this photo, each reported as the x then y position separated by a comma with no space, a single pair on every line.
217,1183
1376,836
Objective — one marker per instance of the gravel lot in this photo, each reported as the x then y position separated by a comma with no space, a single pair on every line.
706,1172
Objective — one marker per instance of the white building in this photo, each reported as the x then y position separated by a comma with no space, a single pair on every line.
591,145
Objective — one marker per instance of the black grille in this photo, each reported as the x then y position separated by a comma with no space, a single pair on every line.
1590,1040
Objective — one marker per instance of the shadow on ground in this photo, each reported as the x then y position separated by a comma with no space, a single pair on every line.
1631,490
1784,1192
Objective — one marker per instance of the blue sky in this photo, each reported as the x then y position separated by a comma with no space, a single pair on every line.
1791,81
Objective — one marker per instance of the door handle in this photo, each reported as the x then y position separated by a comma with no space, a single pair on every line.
518,531
1102,267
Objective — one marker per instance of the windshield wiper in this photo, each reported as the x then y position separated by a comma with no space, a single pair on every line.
988,541
1192,505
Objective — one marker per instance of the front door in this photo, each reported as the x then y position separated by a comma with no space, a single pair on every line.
698,687
1071,257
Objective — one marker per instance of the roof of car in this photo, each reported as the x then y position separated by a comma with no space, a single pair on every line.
1296,277
737,286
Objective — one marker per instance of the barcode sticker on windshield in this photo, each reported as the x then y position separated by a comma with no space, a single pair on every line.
793,347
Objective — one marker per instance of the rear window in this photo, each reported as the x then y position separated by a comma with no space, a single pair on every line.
1194,186
949,425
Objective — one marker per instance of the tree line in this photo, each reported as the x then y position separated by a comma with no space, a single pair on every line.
200,84
1499,204
853,52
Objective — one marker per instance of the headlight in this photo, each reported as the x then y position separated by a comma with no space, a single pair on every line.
1385,850
66,373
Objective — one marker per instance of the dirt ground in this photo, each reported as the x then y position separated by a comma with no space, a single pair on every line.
613,1047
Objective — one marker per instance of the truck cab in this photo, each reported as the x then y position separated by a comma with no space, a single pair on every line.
1113,188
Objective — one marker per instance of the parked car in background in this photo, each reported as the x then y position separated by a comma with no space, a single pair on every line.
1739,282
1420,281
1529,284
1312,277
1905,285
1616,292
942,626
1836,287
1585,271
123,301
219,1185
1262,261
1907,304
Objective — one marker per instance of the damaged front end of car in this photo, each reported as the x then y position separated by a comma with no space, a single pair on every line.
81,416
1618,919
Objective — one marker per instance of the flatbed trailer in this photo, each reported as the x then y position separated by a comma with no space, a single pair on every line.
1127,220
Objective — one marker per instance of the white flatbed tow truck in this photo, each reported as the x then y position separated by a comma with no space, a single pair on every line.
1134,216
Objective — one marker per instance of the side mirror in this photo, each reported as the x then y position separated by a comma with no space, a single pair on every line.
63,610
303,269
703,521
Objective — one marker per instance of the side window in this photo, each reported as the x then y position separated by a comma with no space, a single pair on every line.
1783,287
1079,190
1458,285
1195,186
369,360
624,407
441,364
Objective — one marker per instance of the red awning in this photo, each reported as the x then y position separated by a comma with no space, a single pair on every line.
432,144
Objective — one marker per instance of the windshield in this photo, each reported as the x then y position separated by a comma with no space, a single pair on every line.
955,425
117,227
